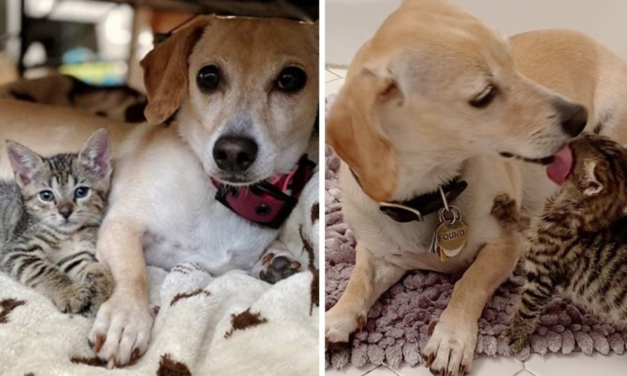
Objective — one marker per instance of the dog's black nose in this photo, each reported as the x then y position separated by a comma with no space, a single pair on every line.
234,153
573,118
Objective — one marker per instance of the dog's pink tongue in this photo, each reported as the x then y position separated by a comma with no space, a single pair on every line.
561,166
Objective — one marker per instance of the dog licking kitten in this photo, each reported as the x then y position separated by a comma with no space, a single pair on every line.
578,247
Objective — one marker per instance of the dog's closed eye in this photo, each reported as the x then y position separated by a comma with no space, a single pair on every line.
484,98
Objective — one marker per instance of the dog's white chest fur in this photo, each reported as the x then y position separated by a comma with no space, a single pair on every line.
210,234
181,220
200,229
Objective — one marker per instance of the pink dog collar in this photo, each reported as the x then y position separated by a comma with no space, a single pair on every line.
270,202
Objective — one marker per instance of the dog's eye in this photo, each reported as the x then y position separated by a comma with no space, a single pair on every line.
208,78
484,98
291,79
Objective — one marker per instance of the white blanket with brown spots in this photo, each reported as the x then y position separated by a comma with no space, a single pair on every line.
231,325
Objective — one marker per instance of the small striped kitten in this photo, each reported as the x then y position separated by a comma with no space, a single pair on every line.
49,218
578,247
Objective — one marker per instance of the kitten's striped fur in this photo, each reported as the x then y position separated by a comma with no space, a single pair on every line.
579,246
50,245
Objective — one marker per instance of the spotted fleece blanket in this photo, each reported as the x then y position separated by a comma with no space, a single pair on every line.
231,325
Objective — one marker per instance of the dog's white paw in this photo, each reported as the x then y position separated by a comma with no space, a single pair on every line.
340,324
451,348
121,331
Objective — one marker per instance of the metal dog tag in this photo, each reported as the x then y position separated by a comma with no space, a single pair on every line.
452,234
443,256
434,248
452,237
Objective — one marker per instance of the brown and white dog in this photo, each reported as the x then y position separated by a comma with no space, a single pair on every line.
435,96
241,98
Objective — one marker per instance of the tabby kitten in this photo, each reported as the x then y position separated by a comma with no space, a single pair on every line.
49,218
579,245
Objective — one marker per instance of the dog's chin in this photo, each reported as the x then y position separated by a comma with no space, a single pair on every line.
238,180
245,178
235,181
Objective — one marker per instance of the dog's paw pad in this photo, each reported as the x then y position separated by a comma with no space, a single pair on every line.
281,267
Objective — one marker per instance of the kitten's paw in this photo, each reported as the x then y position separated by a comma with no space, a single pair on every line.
516,338
506,212
504,208
518,332
75,298
101,284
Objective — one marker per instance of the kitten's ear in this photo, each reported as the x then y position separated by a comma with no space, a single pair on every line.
592,185
96,153
24,162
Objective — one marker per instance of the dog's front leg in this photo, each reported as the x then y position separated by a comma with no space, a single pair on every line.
451,348
371,277
122,328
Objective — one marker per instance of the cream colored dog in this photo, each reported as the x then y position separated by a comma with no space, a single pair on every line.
241,98
436,95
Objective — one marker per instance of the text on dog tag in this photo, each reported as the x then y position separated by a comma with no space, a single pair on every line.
452,237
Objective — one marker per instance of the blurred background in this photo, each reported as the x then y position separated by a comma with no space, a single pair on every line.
101,42
349,23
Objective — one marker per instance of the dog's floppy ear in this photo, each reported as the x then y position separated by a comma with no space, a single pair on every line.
355,135
165,71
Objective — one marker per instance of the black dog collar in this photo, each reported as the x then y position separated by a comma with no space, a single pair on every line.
419,207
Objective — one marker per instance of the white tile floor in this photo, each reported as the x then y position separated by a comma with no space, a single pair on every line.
536,365
334,79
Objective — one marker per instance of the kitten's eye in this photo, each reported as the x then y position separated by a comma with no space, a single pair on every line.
484,98
81,192
291,80
208,78
46,196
